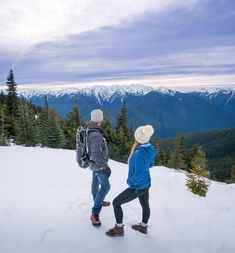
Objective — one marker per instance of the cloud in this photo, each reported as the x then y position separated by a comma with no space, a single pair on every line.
26,23
182,83
107,41
211,60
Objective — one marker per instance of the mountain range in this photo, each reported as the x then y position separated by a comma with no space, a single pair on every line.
170,112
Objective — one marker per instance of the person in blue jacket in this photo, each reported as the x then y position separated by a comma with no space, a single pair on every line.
141,159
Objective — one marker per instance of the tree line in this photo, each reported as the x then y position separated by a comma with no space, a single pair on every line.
23,123
26,124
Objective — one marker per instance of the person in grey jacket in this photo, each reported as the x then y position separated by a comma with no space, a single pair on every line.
98,152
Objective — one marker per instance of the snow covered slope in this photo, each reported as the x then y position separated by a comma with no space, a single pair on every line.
45,207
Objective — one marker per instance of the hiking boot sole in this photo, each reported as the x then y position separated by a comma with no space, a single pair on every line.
96,225
114,235
142,232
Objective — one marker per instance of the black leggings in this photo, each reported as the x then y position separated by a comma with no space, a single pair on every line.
129,195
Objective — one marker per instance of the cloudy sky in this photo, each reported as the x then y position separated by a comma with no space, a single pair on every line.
174,43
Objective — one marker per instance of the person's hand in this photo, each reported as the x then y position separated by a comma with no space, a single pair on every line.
107,171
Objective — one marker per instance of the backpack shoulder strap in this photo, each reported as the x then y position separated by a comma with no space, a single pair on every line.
87,132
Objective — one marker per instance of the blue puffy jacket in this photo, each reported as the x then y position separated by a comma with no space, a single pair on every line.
139,164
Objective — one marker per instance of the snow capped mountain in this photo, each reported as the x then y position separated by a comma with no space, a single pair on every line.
106,92
101,93
46,204
109,93
165,91
28,94
221,96
214,92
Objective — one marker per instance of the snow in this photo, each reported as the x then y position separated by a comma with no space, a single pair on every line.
109,93
212,92
46,202
105,93
35,93
99,91
166,91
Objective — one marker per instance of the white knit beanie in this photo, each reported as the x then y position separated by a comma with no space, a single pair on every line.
143,133
97,116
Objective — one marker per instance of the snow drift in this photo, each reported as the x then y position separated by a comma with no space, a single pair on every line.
46,202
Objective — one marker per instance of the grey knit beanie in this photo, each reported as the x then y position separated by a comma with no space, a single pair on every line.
97,116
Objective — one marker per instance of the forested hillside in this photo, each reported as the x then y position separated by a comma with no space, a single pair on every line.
219,148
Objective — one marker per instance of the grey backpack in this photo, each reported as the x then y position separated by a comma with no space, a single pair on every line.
82,152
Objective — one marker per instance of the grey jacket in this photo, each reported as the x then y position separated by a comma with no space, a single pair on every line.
97,146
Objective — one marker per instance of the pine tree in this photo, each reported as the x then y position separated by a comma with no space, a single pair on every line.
197,157
161,156
110,137
106,126
122,136
11,100
122,121
44,124
11,103
55,133
167,157
2,125
232,175
27,125
197,181
2,98
73,120
122,146
178,157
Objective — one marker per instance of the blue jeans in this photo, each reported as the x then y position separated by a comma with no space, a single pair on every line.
99,188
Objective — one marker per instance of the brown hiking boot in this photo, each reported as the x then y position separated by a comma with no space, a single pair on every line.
140,228
115,231
95,220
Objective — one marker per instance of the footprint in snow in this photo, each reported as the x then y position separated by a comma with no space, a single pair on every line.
45,234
